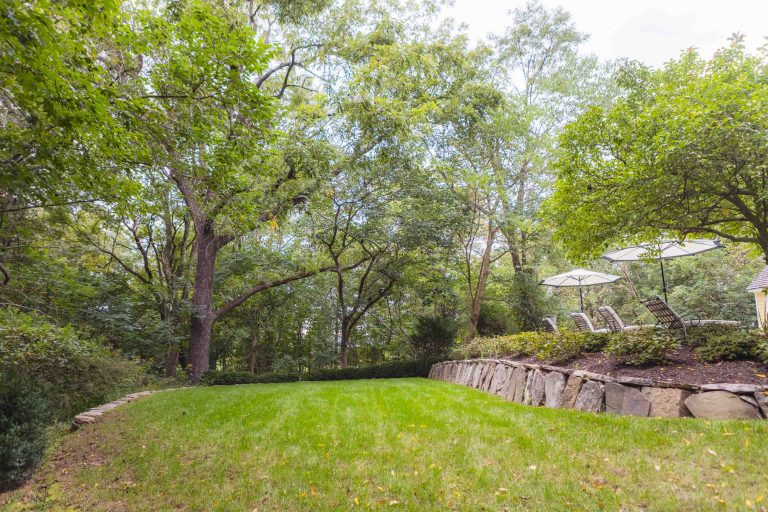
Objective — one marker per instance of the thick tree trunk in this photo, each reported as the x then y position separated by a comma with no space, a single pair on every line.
344,345
201,328
171,361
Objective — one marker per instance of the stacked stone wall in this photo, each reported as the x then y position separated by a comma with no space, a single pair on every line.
552,386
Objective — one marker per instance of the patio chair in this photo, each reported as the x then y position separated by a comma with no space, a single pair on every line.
614,321
584,324
669,319
549,324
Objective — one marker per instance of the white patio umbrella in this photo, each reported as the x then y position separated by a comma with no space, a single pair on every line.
579,277
663,250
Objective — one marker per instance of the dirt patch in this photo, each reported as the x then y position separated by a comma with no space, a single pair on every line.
684,367
54,485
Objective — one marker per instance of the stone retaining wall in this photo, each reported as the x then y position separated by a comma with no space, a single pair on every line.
551,386
94,414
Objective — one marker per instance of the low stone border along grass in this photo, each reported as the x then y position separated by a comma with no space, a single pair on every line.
552,386
92,415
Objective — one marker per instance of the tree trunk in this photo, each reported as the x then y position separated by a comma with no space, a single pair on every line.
344,346
201,328
482,279
171,361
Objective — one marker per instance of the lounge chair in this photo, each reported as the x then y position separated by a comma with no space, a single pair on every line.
549,324
614,321
669,319
584,324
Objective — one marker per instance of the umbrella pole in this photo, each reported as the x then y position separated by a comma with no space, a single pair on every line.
663,281
581,299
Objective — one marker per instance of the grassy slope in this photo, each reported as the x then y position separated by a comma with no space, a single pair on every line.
410,444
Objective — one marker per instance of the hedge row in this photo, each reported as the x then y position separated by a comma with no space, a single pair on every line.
397,369
713,343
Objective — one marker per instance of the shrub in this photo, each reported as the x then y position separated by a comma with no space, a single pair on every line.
554,347
393,370
433,335
23,415
642,347
567,345
698,336
730,346
73,373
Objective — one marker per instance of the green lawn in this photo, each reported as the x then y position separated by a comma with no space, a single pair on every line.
410,444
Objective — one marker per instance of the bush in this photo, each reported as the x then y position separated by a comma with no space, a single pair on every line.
433,335
731,346
23,416
642,347
554,347
72,372
393,370
698,336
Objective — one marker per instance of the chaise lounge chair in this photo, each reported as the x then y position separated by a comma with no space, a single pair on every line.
614,321
669,319
584,324
549,324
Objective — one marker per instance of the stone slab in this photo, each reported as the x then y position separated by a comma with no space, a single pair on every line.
590,397
720,405
554,383
571,391
666,402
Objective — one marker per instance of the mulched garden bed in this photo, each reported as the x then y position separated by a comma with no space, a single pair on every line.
684,367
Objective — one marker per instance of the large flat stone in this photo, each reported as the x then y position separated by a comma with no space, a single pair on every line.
571,391
733,388
666,402
520,377
81,419
479,371
497,383
720,405
486,384
534,389
504,391
554,383
625,400
590,397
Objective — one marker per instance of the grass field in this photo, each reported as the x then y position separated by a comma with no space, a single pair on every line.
408,444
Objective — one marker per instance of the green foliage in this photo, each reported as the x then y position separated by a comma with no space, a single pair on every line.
23,418
74,373
643,347
557,347
665,156
731,346
393,370
433,335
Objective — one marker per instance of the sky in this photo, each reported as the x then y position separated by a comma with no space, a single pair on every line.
652,31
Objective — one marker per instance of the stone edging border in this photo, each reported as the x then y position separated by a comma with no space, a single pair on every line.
94,414
552,386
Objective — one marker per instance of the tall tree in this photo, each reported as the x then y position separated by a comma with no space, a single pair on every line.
683,151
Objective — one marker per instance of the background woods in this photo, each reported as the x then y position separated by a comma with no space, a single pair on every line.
271,186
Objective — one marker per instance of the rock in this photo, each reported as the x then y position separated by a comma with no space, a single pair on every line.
550,368
614,397
498,379
520,377
486,384
720,405
93,412
504,392
666,402
554,383
534,389
477,375
733,388
636,381
81,419
761,398
625,400
571,391
590,397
